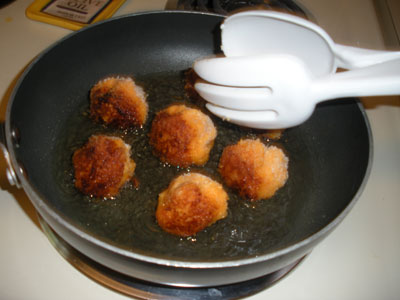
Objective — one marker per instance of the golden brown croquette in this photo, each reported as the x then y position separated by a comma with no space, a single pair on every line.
102,166
182,136
191,203
255,170
119,102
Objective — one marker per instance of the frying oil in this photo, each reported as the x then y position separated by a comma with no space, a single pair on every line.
128,220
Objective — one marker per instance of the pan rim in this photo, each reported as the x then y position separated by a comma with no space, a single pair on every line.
40,202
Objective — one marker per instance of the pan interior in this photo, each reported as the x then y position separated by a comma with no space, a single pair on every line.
129,219
328,154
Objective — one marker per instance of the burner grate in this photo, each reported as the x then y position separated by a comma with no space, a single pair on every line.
147,290
226,6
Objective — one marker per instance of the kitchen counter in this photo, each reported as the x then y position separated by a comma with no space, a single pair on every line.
359,260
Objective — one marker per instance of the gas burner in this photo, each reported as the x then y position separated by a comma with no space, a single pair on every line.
147,290
226,6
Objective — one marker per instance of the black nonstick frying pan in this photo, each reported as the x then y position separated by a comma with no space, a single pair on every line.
330,158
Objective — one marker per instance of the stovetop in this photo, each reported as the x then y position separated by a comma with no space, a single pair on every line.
359,260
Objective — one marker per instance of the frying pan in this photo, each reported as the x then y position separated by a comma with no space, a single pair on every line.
46,119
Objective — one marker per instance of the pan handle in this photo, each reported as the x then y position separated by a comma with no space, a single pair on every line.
10,173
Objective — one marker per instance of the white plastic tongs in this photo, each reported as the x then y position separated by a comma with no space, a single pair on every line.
279,66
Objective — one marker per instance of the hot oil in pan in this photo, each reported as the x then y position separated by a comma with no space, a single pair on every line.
128,221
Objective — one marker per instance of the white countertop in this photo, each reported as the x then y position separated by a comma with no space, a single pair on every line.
359,260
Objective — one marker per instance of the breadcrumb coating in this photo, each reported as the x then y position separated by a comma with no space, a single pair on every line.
119,102
182,136
255,170
191,203
102,166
